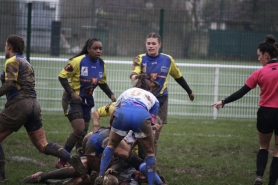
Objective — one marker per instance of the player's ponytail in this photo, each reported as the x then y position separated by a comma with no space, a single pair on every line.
143,82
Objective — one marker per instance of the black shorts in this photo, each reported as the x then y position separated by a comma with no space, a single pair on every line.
75,111
25,112
267,120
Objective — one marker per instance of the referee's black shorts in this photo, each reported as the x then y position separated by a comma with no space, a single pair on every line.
267,120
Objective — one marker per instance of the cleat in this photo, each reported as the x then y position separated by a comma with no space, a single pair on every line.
61,164
163,179
99,180
3,180
258,181
33,178
78,166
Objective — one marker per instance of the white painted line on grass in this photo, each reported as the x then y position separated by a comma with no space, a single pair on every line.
201,135
26,159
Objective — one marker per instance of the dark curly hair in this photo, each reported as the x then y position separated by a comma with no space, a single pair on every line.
269,46
143,82
17,43
87,44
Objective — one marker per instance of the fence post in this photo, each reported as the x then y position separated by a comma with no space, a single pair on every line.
161,26
216,83
55,38
29,24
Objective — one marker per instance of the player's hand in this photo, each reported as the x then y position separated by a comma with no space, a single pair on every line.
75,98
113,98
217,105
191,96
134,79
110,171
95,128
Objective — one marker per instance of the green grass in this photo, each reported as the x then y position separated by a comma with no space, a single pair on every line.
192,151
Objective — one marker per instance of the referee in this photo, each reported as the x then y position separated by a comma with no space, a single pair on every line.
267,116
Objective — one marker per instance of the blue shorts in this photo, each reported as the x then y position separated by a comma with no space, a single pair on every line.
132,117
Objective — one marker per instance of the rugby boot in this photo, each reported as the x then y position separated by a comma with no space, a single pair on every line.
258,181
35,178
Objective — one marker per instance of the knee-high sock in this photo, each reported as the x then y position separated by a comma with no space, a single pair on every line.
150,167
78,145
71,141
134,160
56,150
2,163
262,158
273,173
143,169
107,156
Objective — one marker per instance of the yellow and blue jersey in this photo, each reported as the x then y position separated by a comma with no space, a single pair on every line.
85,76
19,70
106,110
158,70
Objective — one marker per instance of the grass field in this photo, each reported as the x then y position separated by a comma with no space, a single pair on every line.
192,151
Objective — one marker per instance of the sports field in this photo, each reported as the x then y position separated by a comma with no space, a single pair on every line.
192,151
194,148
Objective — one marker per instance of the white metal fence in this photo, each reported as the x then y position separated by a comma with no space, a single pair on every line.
209,82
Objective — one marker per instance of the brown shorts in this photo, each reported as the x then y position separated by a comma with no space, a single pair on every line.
163,108
25,112
75,111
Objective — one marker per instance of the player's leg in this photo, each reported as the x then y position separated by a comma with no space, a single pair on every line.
37,136
147,144
114,140
11,120
117,133
3,134
265,131
78,146
122,150
39,140
273,172
162,114
78,127
62,173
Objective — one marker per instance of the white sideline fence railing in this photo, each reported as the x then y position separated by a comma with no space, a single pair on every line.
206,81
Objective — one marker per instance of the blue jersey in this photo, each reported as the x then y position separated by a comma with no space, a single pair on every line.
96,143
158,70
85,75
19,70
